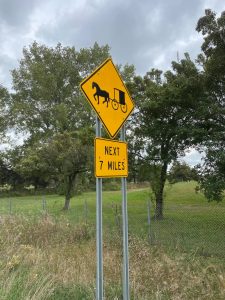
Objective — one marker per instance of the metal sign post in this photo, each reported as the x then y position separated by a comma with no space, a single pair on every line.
99,273
126,295
109,97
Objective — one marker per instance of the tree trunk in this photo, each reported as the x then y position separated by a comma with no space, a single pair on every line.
67,203
159,195
159,207
69,184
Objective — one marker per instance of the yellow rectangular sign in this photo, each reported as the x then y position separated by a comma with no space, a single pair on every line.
111,158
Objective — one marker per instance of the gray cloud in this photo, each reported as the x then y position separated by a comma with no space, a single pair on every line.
15,13
6,65
145,33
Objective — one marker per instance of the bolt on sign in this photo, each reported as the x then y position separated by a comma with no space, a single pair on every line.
107,94
111,159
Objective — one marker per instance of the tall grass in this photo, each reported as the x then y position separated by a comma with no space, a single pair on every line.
46,259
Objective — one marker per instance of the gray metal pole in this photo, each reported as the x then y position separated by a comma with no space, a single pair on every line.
99,275
126,294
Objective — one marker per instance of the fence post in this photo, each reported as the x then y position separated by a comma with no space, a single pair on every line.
149,220
10,205
43,203
117,217
85,211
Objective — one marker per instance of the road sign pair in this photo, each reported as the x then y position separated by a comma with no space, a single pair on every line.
110,99
107,94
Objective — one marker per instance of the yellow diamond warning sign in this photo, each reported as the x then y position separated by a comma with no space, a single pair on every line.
106,92
110,158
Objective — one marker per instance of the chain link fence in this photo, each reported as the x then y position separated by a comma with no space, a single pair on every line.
185,227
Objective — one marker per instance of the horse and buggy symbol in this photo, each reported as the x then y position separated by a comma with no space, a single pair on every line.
117,101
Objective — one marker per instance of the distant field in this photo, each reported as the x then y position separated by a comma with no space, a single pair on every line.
47,253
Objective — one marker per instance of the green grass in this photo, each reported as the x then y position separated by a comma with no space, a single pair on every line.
190,224
51,254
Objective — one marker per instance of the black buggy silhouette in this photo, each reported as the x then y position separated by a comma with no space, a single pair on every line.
118,97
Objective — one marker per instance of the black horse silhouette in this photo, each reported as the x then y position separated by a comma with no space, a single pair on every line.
100,93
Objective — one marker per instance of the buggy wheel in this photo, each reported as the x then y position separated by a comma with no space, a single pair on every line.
123,107
115,104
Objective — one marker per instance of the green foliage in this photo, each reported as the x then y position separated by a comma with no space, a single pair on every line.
168,108
32,167
7,173
48,106
4,101
47,96
181,171
58,160
212,176
137,167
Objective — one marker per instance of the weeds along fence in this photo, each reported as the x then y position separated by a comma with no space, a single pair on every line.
196,228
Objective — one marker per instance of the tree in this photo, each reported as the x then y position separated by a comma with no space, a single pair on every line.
61,159
7,174
181,171
212,175
212,59
4,102
47,96
29,163
69,153
47,104
166,118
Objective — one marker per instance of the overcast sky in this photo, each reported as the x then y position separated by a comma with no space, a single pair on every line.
145,33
